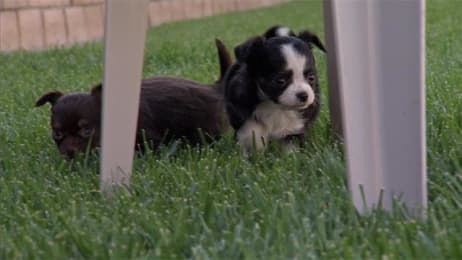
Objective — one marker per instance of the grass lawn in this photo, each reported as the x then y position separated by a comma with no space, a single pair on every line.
210,202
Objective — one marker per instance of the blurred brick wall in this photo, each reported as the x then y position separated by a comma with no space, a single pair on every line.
38,24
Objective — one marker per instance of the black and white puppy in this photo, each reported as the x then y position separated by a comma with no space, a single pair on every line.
272,91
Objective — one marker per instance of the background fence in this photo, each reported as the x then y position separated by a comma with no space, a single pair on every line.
39,24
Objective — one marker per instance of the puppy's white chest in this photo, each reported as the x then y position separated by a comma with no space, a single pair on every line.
269,122
278,122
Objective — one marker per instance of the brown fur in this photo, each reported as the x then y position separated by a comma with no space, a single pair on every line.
170,108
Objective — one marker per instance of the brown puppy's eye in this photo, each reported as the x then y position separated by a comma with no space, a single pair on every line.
86,132
85,128
58,135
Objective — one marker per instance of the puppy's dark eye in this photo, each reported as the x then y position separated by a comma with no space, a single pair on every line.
309,75
280,81
86,132
58,135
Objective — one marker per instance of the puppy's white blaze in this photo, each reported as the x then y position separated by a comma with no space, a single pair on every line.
283,31
296,63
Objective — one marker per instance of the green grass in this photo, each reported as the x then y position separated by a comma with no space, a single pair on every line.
210,202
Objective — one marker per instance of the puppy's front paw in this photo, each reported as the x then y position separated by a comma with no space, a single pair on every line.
251,137
290,147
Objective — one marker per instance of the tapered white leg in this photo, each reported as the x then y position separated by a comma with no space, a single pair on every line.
332,71
125,32
378,50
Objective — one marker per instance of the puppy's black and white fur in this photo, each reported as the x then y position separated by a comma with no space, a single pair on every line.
272,91
307,36
170,108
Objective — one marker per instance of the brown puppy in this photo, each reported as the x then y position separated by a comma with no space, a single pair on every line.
170,108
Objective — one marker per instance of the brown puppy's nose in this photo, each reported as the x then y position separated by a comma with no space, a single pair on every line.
302,96
70,152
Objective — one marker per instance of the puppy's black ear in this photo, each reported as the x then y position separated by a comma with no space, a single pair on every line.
97,91
242,51
49,97
311,39
278,31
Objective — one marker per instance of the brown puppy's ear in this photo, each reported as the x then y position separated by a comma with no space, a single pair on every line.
223,57
311,39
243,50
97,91
49,97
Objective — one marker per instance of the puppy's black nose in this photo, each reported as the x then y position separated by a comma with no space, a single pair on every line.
70,154
302,96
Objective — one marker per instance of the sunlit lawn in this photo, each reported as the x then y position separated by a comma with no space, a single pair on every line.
210,202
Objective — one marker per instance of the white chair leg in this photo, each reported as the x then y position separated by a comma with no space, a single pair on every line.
125,33
332,71
378,49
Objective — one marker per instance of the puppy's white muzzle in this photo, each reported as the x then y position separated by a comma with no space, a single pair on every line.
291,97
297,95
